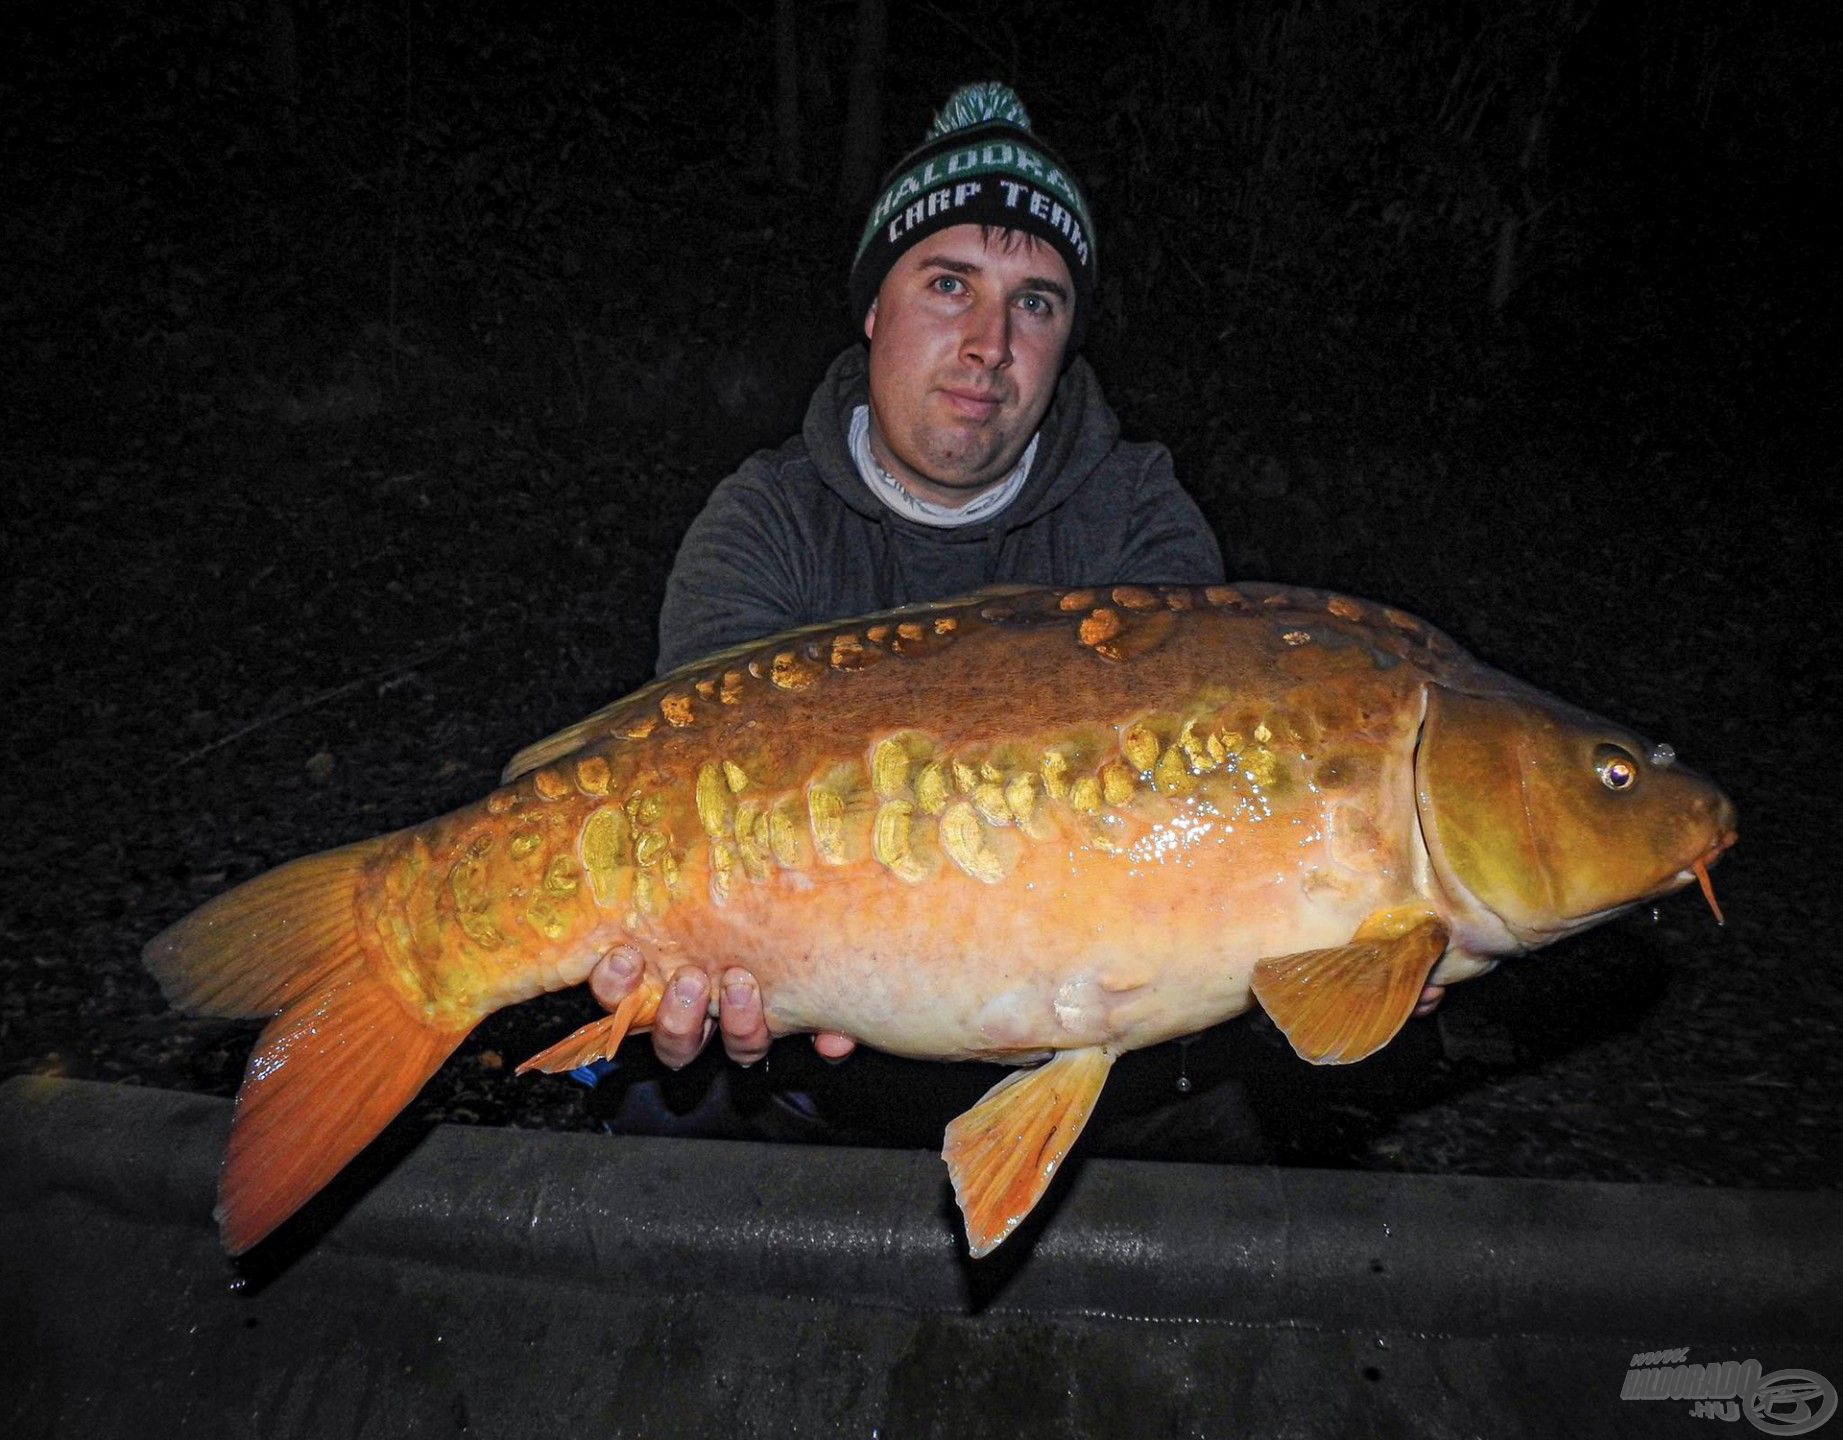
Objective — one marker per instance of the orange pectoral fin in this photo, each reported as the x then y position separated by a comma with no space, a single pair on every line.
1346,1003
1003,1152
599,1039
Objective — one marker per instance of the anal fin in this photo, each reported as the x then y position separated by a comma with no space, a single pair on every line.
1002,1153
599,1039
1347,1002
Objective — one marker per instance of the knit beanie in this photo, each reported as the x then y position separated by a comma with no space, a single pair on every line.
980,165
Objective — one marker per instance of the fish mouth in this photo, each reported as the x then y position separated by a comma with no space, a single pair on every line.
1696,872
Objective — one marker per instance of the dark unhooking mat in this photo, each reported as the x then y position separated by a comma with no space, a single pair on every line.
503,1283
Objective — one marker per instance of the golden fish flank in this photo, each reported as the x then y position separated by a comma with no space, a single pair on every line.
1021,801
552,786
1074,823
753,847
606,852
1055,772
716,808
792,671
898,846
825,811
1140,745
966,842
723,862
891,761
849,652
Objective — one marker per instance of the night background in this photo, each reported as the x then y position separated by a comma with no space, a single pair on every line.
364,365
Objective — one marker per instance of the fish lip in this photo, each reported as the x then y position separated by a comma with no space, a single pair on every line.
1723,841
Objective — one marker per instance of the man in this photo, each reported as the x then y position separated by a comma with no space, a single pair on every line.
968,445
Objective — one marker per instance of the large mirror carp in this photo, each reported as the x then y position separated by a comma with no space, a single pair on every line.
1039,827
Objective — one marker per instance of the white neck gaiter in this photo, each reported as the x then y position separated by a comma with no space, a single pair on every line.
889,490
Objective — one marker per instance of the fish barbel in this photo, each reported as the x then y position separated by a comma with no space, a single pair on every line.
1029,826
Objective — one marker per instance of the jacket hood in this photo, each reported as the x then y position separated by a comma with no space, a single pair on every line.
1078,433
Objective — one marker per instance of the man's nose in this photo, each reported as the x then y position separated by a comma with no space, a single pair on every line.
987,342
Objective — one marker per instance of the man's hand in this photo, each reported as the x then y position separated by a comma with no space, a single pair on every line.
683,1024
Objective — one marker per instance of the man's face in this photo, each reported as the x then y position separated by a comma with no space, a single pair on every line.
966,340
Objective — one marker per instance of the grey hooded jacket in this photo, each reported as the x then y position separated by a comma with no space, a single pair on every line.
795,536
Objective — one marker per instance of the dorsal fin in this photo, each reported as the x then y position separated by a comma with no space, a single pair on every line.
624,714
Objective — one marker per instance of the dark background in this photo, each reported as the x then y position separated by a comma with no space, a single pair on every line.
363,365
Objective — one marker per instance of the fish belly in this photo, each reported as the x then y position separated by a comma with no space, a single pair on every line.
1075,946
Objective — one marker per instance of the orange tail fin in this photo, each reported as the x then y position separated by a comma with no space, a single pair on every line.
343,1055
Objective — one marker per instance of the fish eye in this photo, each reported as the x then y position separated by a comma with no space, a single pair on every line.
1617,768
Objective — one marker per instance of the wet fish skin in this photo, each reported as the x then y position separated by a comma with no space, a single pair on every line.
1029,824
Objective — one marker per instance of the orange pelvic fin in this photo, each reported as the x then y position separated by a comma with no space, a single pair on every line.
344,1053
1002,1153
599,1039
1346,1003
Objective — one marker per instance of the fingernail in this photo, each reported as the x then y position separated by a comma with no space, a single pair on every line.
686,990
738,991
623,965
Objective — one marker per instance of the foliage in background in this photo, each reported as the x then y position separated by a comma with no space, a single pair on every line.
321,210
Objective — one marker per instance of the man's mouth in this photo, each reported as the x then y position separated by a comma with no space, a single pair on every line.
970,404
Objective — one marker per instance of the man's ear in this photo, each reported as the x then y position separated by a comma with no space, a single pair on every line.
870,321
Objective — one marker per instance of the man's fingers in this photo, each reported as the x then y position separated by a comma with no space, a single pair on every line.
683,1023
615,975
832,1045
745,1029
1431,996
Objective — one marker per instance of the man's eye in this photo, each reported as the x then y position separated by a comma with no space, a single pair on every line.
1037,304
948,284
